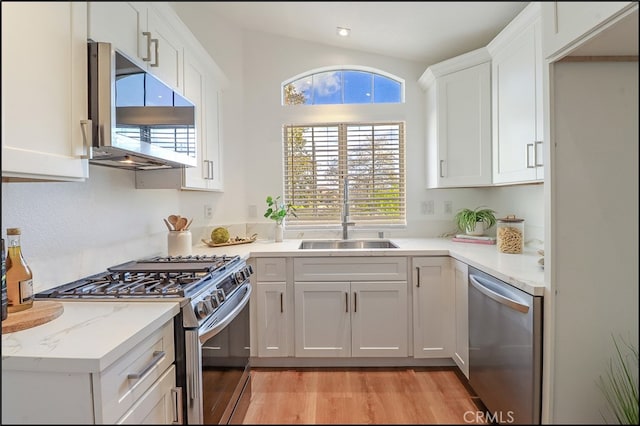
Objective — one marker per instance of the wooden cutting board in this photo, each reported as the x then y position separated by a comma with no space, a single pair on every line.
40,313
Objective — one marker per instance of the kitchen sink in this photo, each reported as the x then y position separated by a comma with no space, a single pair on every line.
346,244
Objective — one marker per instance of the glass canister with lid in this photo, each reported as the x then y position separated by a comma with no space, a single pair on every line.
510,234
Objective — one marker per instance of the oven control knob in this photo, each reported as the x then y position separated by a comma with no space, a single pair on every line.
220,295
248,271
202,309
213,301
239,277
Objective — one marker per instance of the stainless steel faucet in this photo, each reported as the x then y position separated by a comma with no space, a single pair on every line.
345,210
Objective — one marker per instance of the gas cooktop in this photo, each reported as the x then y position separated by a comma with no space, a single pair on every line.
171,276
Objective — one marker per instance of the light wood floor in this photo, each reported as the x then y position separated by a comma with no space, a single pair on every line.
359,396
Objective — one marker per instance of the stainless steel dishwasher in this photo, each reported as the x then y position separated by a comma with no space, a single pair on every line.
505,349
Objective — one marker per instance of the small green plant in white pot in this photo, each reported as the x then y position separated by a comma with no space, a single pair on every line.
476,221
278,211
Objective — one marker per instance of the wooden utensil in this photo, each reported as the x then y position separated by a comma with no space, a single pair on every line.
181,223
173,219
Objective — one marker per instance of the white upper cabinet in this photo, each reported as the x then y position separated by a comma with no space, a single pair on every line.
567,24
458,121
153,37
144,33
44,91
202,87
517,100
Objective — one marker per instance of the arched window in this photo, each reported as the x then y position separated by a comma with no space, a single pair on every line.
353,85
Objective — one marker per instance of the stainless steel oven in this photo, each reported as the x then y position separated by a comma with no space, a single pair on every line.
211,330
217,364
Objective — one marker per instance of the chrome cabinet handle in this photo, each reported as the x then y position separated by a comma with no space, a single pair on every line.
87,137
157,357
355,301
147,34
157,61
535,154
346,302
441,174
176,393
281,303
211,169
418,281
205,165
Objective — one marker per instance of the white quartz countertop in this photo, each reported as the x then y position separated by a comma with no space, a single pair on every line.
520,270
87,338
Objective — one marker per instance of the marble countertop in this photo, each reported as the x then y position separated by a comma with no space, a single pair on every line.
90,335
87,338
520,270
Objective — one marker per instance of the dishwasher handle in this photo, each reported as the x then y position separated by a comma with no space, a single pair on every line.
500,298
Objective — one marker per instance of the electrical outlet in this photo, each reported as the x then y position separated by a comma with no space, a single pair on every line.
208,211
252,211
427,207
448,207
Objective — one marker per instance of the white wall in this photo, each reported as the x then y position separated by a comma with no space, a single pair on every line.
71,230
595,230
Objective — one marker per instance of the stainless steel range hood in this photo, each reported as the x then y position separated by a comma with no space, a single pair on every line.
138,122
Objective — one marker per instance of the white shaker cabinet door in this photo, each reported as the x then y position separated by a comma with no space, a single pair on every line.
44,91
461,284
517,101
458,121
433,307
122,24
379,319
323,319
273,319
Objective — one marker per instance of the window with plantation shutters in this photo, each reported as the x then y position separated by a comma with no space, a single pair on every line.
318,157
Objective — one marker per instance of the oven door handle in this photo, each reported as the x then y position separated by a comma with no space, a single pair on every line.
207,334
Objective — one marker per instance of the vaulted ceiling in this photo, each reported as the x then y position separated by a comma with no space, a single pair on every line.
424,32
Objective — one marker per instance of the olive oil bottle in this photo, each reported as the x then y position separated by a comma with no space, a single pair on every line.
19,276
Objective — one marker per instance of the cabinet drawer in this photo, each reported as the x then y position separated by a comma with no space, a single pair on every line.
350,268
117,389
271,268
157,406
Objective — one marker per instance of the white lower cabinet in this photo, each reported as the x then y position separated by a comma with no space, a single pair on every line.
273,319
351,307
157,406
461,286
433,307
139,387
274,308
351,319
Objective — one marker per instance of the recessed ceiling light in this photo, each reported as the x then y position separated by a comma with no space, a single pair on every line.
343,32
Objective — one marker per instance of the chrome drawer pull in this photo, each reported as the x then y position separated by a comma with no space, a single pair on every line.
157,357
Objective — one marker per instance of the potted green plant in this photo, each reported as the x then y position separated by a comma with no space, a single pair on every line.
476,221
278,211
620,386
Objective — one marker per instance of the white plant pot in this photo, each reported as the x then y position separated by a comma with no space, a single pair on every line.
279,233
478,230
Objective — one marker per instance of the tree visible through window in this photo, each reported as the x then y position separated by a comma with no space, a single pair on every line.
318,157
345,86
